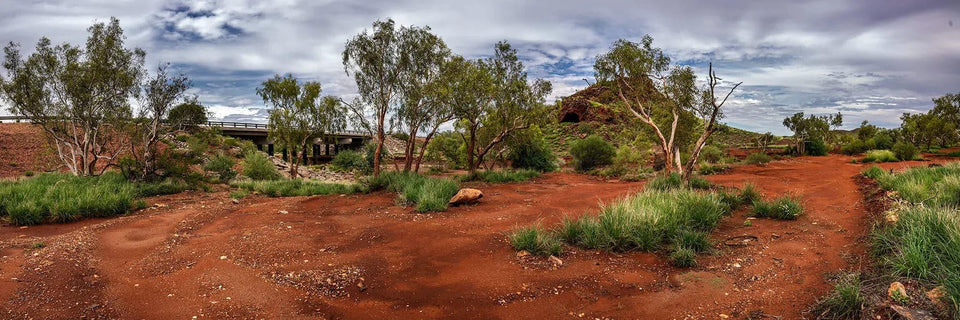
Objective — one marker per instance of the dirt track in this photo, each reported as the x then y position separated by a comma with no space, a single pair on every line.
361,256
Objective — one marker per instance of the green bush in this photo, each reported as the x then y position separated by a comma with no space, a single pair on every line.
930,185
349,160
534,155
683,257
59,197
758,158
904,150
591,152
711,154
882,141
708,169
429,194
874,172
749,193
880,156
673,181
257,166
536,241
370,150
855,147
222,166
783,208
816,148
296,187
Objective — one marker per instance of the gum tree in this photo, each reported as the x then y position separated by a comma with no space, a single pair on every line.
159,94
811,127
299,115
660,95
79,96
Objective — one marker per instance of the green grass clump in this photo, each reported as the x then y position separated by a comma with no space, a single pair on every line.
647,221
880,156
684,257
501,176
536,241
845,301
296,187
954,154
239,194
874,172
428,194
222,166
757,158
708,168
60,197
749,193
783,208
673,181
930,185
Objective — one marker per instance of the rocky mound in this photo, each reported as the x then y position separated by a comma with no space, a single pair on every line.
590,104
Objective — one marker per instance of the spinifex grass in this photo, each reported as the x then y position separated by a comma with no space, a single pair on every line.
296,187
501,176
535,240
429,194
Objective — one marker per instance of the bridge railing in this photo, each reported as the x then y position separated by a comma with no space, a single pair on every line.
221,124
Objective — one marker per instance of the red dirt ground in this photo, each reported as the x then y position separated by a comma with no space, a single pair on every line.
361,256
23,149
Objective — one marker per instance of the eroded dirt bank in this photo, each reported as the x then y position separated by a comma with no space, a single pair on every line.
361,256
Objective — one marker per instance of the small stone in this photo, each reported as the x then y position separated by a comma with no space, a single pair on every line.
522,253
723,316
736,265
235,201
556,260
223,257
936,295
283,212
362,287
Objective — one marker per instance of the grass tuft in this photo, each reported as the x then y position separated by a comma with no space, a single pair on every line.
535,240
428,194
783,208
880,156
845,301
296,187
501,176
684,257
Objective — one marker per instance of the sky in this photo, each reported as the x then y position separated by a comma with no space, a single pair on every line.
870,60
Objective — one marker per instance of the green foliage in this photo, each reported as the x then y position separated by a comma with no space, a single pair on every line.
532,154
296,187
501,176
56,197
257,166
708,169
874,172
447,148
845,301
782,208
429,194
370,151
880,156
684,257
816,147
673,181
697,241
535,240
758,158
930,185
711,154
749,193
647,221
904,150
187,116
856,147
349,160
239,194
591,152
222,166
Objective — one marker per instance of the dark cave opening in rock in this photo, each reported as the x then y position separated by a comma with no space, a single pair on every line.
571,117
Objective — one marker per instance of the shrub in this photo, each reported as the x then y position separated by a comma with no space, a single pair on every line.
855,147
684,257
904,150
187,116
732,200
880,156
758,158
931,185
167,186
874,172
699,183
673,180
845,301
257,166
816,148
697,241
501,176
883,141
783,208
350,160
534,155
536,241
222,166
591,152
239,194
711,154
296,187
370,150
429,194
708,169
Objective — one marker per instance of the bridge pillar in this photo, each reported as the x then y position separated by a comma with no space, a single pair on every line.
327,146
283,154
270,149
304,157
336,148
259,147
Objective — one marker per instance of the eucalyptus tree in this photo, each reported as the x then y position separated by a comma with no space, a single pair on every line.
493,99
422,106
159,95
811,127
299,114
374,60
187,116
79,96
660,96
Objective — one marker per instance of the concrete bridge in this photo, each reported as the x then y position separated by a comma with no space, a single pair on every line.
322,149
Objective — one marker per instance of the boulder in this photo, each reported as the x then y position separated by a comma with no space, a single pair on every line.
897,291
466,196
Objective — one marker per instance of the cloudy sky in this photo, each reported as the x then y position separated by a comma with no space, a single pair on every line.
868,59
